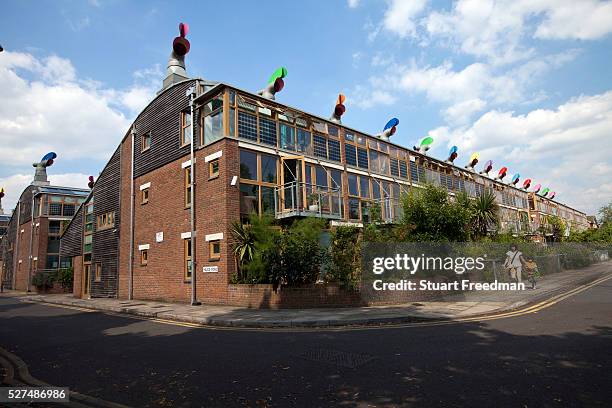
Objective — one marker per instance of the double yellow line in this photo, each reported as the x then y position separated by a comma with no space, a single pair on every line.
503,315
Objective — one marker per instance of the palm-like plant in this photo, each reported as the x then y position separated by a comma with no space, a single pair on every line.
244,242
484,211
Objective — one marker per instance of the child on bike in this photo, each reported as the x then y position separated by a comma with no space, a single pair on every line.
531,267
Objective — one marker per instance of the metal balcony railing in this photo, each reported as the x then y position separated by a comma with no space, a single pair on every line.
391,209
298,199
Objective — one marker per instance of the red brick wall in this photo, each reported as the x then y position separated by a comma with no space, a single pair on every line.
217,205
39,249
124,230
265,297
23,251
77,265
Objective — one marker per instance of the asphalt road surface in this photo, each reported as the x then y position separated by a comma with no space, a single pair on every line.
560,356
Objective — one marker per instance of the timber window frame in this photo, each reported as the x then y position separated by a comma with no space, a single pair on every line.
187,186
213,169
186,124
187,264
214,250
106,221
144,196
145,142
144,257
98,272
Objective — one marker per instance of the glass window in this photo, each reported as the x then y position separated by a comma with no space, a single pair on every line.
232,122
187,257
351,154
336,177
287,137
185,128
403,170
268,168
352,184
54,227
321,178
334,150
332,130
362,158
146,141
213,168
414,174
364,186
187,186
249,198
68,210
320,146
52,261
213,127
215,249
247,126
375,189
53,245
248,165
267,131
267,200
55,209
303,141
395,168
353,204
374,164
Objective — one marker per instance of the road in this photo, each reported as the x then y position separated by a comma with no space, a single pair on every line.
558,357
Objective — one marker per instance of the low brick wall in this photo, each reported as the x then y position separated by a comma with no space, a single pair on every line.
54,290
311,296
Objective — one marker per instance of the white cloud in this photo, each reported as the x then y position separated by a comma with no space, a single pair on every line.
461,112
44,107
461,92
566,148
400,16
571,19
353,3
495,30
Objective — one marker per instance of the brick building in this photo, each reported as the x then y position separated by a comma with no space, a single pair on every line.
161,210
32,241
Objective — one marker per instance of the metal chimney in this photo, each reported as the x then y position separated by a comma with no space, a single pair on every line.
176,63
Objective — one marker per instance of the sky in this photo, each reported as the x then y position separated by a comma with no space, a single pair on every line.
525,83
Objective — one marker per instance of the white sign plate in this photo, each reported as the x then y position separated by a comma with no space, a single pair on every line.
159,237
209,269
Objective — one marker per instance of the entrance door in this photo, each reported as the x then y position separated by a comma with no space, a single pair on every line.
292,190
86,278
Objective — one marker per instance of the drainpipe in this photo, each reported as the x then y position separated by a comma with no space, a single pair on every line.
130,266
31,241
16,249
191,93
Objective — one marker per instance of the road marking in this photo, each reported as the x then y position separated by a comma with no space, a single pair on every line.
503,315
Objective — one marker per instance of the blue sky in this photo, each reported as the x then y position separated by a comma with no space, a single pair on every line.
527,84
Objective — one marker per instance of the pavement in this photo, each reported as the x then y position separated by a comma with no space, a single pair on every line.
465,305
556,356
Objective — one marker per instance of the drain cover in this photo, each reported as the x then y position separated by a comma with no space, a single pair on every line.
339,358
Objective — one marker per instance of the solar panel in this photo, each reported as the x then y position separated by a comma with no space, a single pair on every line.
267,131
334,150
247,126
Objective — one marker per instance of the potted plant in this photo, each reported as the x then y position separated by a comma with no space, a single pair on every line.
313,202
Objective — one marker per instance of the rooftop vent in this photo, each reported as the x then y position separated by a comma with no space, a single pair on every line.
473,161
425,145
40,177
389,129
452,154
339,110
1,196
487,168
176,63
275,84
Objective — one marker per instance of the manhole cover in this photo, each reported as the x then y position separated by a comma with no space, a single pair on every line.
339,358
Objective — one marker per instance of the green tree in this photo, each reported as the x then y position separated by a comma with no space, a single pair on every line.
430,216
484,212
345,256
605,214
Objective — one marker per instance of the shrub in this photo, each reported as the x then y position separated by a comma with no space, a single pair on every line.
65,277
345,256
44,280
